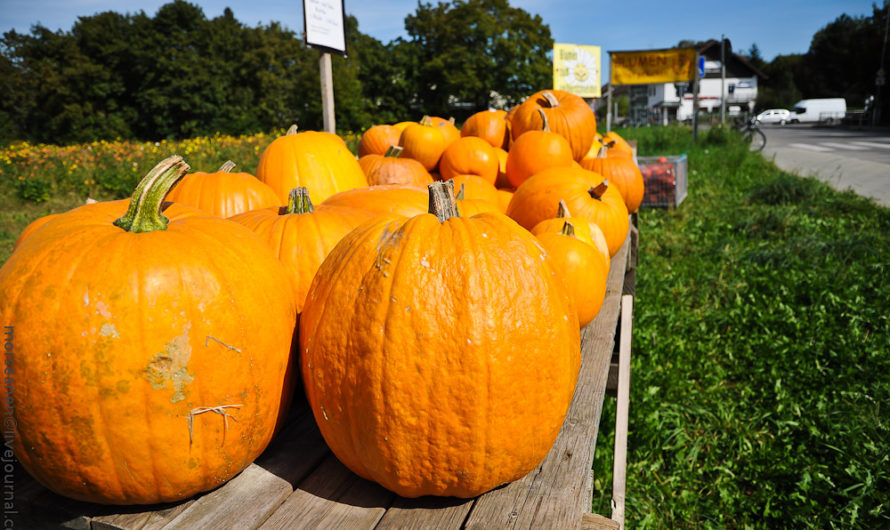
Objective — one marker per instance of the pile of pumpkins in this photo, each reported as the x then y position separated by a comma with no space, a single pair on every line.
429,295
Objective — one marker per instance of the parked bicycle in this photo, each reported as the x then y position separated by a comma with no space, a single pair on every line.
752,135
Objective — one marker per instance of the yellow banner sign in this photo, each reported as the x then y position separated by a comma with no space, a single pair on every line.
576,69
652,66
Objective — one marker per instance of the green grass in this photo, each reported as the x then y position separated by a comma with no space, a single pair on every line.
760,395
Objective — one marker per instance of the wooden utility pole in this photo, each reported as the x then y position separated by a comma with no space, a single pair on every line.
695,101
327,92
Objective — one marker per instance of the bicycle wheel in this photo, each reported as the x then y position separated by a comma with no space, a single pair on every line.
756,140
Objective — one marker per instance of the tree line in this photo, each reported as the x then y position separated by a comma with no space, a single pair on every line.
180,74
843,61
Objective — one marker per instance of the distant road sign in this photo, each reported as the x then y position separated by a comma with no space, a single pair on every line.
701,66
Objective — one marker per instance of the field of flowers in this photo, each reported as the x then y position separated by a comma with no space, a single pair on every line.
39,179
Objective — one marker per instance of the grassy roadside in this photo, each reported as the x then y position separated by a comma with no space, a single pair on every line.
761,369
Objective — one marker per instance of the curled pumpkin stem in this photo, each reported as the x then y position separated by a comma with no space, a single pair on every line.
562,210
144,213
394,151
227,167
544,121
292,129
550,98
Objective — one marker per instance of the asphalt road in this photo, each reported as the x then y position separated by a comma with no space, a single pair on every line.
844,158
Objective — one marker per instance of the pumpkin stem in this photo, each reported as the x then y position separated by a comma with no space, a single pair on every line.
394,151
451,120
461,194
442,202
568,229
298,201
597,191
603,151
144,213
546,122
550,98
292,129
227,167
563,210
426,120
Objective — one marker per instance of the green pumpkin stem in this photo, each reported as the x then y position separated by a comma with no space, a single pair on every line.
227,167
461,194
292,129
597,191
426,120
394,151
298,201
568,229
442,202
562,210
144,213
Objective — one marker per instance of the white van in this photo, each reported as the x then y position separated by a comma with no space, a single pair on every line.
824,110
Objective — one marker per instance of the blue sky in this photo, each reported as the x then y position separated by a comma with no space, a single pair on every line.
777,26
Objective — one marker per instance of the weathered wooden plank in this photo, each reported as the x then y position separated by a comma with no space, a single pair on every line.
441,513
555,494
243,502
148,518
619,465
296,450
592,521
332,497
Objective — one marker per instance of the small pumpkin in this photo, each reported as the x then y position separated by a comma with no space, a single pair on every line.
586,194
504,197
469,156
387,199
301,235
581,267
535,151
468,207
491,125
583,229
623,173
378,139
391,168
223,193
132,360
431,310
617,144
320,161
568,114
423,142
476,188
448,129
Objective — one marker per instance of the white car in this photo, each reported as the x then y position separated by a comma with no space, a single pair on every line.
780,116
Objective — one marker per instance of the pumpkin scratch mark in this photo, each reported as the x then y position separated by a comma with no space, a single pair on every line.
207,343
221,410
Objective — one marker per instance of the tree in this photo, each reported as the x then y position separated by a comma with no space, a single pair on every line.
469,51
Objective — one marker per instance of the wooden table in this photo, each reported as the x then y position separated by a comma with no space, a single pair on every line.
298,483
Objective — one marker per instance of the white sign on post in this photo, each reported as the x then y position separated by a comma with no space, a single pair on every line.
324,25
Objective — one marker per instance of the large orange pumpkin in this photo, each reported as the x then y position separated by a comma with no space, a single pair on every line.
32,227
536,151
378,139
449,130
387,199
453,357
302,235
223,193
586,194
623,173
491,125
319,161
469,156
569,116
151,352
391,168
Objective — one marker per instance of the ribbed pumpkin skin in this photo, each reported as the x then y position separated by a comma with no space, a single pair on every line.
381,170
490,125
223,194
377,139
623,173
583,271
32,227
319,161
392,199
469,156
538,199
120,338
453,358
302,240
573,119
